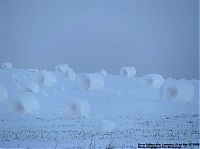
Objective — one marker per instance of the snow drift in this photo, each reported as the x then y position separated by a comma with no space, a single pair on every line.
181,90
47,79
26,104
77,108
127,71
91,81
152,80
3,94
6,66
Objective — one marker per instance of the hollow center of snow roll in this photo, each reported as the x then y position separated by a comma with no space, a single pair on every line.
19,107
86,83
74,109
172,92
124,73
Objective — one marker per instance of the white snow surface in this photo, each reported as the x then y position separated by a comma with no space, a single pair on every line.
129,112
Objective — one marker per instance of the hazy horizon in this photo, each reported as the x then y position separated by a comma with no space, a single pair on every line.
155,36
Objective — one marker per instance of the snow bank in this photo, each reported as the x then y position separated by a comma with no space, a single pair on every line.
181,90
47,79
107,126
77,108
26,104
152,80
32,87
62,68
3,94
91,81
103,73
127,71
6,66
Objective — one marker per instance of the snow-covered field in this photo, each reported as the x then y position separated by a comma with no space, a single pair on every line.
61,109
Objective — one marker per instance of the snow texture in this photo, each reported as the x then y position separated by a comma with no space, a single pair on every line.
6,66
127,71
26,104
91,81
152,80
107,126
77,108
3,94
181,90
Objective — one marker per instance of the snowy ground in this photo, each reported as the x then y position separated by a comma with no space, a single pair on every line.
140,116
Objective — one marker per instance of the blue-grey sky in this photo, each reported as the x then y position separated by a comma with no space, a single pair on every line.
156,36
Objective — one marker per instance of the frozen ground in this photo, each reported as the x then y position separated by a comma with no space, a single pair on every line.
139,115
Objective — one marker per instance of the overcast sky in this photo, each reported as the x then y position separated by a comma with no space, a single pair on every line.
155,36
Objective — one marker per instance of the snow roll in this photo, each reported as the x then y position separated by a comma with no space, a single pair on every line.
181,90
47,79
26,104
62,68
70,74
127,71
91,81
3,94
77,108
103,73
32,87
152,80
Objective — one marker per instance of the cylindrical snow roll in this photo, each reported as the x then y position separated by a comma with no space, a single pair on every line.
77,108
103,73
62,68
152,80
127,71
6,66
91,81
26,104
32,87
181,90
47,79
70,74
3,94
